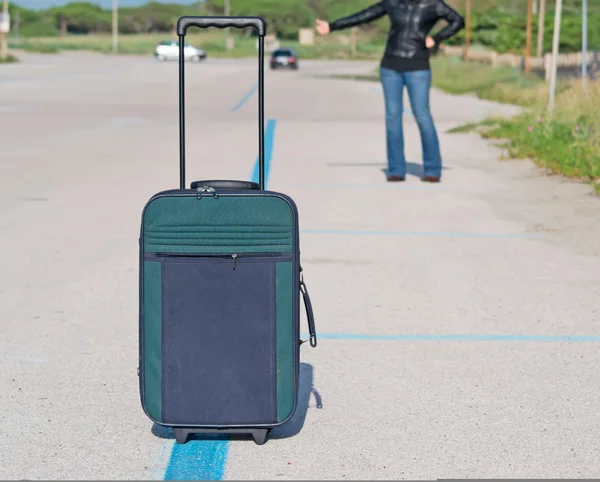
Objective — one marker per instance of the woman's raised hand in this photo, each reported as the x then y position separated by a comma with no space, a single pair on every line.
322,27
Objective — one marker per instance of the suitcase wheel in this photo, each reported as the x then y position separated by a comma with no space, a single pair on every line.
181,435
260,436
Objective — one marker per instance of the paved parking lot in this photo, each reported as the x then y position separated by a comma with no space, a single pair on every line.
458,322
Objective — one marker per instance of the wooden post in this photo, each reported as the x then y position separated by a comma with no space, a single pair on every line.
540,35
227,32
4,35
115,25
467,28
584,44
528,36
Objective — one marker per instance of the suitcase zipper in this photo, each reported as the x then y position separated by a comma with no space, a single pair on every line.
206,189
233,256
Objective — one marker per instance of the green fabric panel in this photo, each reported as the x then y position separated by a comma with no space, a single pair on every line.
223,225
285,340
152,338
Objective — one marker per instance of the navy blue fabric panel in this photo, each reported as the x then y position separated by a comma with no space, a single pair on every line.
219,341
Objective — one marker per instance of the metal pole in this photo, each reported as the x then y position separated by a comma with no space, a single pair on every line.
555,43
181,112
584,46
540,38
528,35
227,14
467,28
115,25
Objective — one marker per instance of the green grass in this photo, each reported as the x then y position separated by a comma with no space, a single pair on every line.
9,59
565,142
35,47
500,84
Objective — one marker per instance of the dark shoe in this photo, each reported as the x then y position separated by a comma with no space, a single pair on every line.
395,178
430,179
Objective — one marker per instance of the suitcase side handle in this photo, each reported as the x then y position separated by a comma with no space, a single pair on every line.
309,313
223,22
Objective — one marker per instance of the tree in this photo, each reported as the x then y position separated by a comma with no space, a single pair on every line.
81,17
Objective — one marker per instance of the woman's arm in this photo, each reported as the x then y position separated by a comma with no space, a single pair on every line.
364,16
455,22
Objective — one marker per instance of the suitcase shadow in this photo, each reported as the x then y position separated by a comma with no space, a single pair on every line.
291,428
295,424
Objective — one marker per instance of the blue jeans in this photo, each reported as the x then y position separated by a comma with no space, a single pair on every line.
418,84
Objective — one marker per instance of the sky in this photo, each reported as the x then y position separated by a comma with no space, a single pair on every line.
42,4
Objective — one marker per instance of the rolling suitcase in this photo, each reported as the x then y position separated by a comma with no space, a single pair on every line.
220,285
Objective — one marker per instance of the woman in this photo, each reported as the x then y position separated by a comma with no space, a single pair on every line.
406,62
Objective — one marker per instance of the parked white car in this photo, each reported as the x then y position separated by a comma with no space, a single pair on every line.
169,50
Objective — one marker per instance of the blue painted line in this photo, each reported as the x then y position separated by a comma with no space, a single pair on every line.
244,99
269,137
198,460
413,233
456,337
206,459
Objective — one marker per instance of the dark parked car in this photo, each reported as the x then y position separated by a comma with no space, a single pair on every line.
286,58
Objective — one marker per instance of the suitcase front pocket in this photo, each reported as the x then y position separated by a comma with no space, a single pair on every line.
219,335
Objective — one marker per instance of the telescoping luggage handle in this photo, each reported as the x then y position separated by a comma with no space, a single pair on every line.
223,22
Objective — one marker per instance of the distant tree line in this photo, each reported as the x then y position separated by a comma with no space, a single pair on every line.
497,24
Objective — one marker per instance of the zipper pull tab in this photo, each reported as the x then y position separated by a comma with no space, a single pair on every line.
206,189
234,256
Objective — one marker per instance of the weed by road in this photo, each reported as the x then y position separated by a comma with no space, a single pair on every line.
9,59
566,141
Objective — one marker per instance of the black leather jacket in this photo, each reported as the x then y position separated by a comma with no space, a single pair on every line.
411,22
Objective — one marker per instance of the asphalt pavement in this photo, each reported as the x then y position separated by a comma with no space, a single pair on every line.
457,322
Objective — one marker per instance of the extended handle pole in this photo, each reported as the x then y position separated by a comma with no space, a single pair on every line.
181,114
261,112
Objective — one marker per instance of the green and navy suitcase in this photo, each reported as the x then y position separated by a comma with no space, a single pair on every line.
220,285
